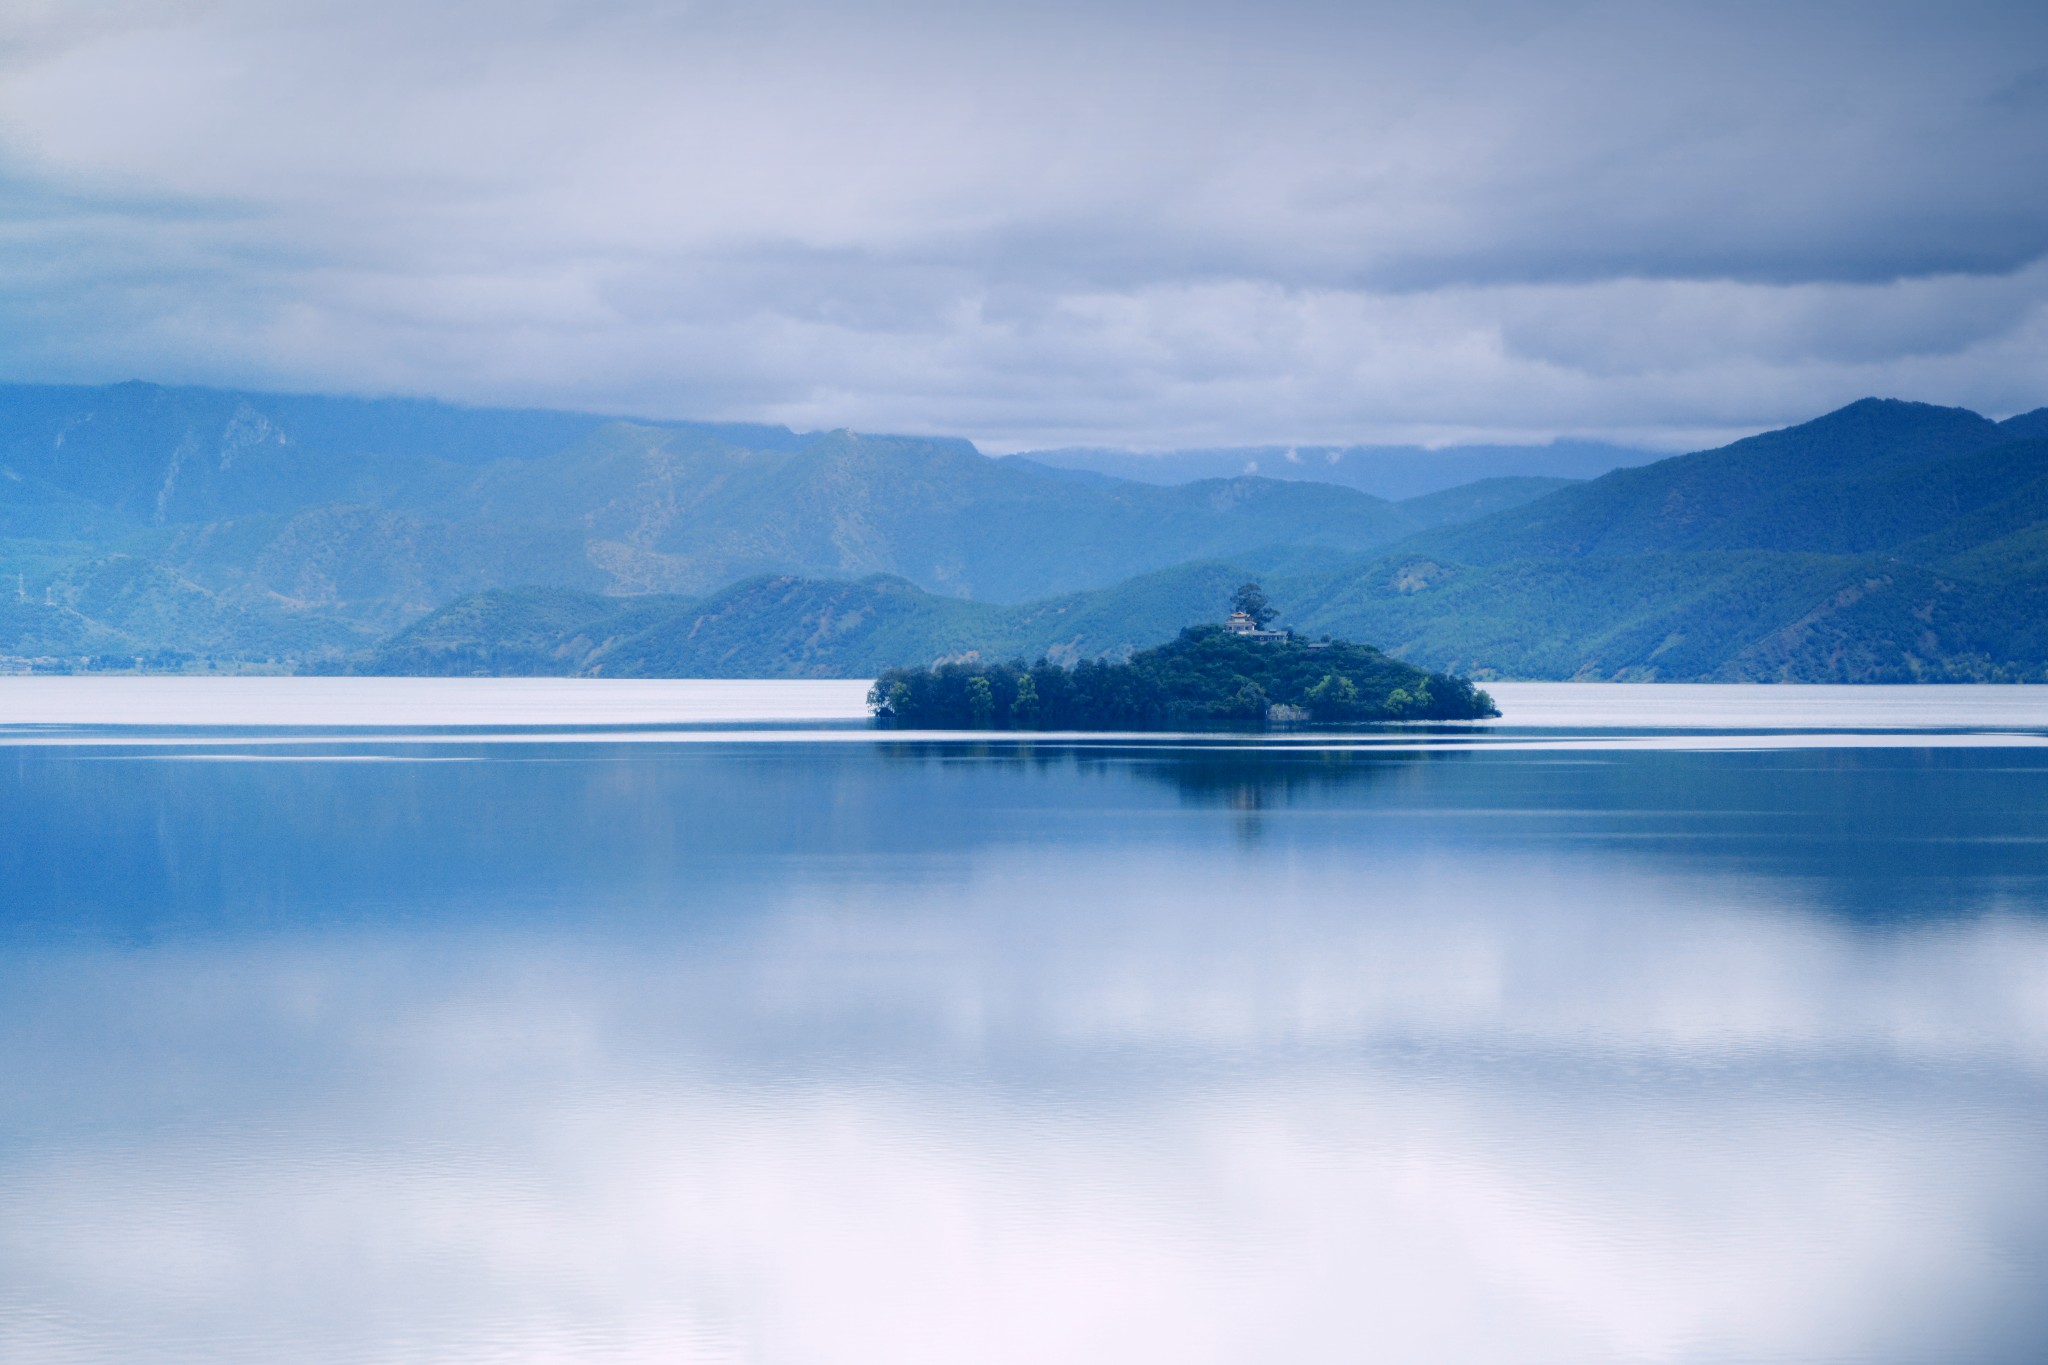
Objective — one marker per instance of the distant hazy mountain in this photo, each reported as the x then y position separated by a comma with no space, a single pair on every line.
1885,542
1867,477
1469,502
135,518
790,627
675,511
1394,472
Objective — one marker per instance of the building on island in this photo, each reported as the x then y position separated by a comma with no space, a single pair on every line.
1241,624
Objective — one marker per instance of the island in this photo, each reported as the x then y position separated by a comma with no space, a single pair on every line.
1235,674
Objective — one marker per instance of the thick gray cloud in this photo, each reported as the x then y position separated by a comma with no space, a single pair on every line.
1111,223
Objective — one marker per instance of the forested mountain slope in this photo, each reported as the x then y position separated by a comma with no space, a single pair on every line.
791,627
1831,484
665,510
135,518
1885,542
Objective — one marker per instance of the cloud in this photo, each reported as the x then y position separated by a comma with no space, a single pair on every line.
1113,223
979,1117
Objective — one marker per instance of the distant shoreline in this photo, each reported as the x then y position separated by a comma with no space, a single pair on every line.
251,703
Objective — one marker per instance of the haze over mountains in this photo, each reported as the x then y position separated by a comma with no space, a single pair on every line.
1888,540
140,519
1384,471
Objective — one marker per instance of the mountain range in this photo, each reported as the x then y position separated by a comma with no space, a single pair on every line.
1396,472
140,519
1885,541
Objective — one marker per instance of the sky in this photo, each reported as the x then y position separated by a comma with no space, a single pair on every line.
1113,223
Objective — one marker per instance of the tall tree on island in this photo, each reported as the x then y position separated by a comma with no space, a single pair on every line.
1251,600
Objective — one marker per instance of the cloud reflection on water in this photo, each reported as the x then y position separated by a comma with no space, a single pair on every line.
1367,1085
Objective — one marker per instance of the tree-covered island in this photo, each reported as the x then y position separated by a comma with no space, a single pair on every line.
1239,673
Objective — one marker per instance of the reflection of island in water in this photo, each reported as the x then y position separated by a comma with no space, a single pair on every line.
1244,778
1252,782
1876,835
104,843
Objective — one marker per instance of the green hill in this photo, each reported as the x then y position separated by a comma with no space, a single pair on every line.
1206,675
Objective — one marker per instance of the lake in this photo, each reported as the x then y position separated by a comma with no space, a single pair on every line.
383,1020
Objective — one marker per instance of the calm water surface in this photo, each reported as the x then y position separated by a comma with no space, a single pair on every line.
1556,1041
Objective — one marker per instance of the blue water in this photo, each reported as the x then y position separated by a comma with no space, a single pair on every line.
818,1048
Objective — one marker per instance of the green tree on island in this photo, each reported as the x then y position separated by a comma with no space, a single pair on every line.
981,702
1024,709
1251,600
1336,695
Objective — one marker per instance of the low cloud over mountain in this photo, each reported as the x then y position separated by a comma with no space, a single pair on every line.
1112,224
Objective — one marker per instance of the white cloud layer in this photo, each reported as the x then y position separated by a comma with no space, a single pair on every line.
1118,223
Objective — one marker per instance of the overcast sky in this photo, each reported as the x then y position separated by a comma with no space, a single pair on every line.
1107,223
